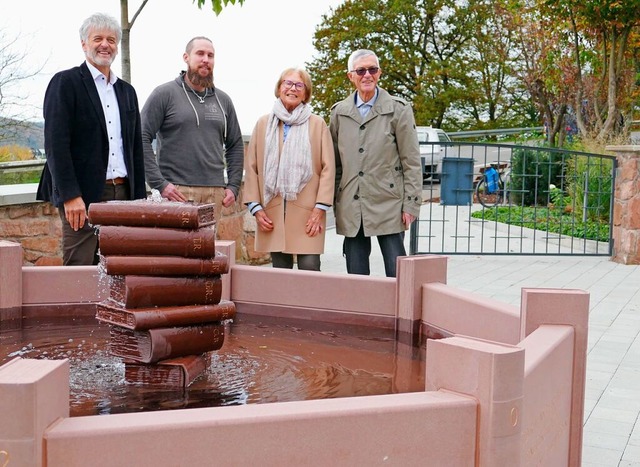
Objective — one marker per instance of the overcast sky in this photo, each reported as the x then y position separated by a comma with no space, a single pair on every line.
253,43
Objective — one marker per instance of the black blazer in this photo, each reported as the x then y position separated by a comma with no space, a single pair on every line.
75,139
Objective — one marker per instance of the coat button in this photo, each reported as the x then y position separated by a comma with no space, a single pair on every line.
361,173
362,127
391,185
361,150
356,197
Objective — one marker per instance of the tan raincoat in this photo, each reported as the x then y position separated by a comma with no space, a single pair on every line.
378,171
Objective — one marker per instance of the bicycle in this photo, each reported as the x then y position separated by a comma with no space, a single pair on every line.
491,188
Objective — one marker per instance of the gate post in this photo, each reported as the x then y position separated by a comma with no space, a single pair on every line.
626,205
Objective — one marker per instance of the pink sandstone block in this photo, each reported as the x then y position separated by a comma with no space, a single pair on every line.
412,273
547,400
567,307
492,373
227,247
10,275
22,453
313,290
33,394
402,429
461,312
61,284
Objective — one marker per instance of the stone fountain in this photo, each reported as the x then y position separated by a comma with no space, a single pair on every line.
504,386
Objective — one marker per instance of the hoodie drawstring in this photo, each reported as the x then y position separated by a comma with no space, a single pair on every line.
191,104
224,115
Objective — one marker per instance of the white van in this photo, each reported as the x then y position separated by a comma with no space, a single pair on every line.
431,153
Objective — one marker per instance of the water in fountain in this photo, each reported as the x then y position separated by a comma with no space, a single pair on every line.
262,360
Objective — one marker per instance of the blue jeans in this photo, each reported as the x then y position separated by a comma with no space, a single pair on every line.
357,250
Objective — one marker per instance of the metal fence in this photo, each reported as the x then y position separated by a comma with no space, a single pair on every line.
552,201
547,202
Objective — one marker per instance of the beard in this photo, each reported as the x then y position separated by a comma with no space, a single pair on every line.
99,60
198,80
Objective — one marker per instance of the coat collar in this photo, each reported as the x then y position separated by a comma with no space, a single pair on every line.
382,106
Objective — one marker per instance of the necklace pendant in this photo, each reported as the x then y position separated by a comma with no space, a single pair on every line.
200,98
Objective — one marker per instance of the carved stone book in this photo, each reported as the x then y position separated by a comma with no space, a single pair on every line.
170,374
158,291
148,213
153,345
165,265
148,318
125,240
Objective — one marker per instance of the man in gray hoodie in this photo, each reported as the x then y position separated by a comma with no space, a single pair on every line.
197,135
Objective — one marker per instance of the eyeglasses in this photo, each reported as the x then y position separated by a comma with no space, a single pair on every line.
363,71
290,84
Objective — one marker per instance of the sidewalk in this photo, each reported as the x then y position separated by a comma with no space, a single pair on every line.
612,405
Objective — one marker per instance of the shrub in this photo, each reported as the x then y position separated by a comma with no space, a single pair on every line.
589,184
533,170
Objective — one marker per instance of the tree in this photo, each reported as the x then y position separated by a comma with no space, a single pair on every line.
442,56
604,44
494,96
14,68
411,42
612,23
125,57
546,65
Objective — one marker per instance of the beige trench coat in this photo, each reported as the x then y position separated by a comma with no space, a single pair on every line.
288,234
378,171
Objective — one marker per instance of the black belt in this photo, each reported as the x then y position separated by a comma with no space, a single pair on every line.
117,181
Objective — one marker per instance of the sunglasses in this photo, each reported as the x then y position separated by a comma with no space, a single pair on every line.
363,71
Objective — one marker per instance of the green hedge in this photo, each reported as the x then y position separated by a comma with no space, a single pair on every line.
16,178
532,172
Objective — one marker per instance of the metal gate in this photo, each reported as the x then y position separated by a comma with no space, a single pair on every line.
549,202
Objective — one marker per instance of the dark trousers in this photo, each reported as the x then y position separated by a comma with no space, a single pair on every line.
81,248
358,249
305,262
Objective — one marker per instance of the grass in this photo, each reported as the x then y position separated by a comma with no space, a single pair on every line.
546,219
15,178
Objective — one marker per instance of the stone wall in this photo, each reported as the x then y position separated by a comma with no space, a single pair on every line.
238,225
626,209
37,227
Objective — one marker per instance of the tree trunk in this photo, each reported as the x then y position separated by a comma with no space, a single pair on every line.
580,123
612,89
125,55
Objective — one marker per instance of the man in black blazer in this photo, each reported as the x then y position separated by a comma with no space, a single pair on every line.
92,139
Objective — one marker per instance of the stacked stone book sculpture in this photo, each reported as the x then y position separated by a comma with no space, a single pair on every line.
164,277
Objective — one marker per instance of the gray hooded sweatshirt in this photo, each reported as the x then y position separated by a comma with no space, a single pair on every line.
193,139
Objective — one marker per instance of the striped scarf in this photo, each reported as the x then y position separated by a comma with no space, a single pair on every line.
287,173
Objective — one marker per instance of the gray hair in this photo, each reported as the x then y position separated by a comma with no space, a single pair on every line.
360,53
100,21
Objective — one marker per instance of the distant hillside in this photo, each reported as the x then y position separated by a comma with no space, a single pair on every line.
28,134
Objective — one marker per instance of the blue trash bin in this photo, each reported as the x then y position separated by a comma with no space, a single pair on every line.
456,185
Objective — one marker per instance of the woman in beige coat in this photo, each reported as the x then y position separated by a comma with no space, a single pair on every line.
290,176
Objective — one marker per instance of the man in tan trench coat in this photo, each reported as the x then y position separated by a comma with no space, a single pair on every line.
378,173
